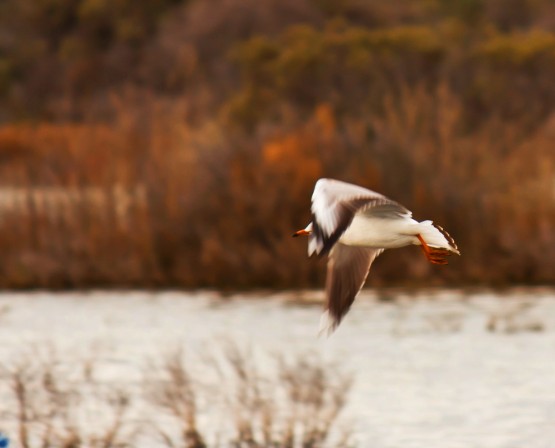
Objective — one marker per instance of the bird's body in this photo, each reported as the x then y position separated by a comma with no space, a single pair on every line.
354,225
380,233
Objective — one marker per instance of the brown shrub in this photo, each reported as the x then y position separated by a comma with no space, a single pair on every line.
152,201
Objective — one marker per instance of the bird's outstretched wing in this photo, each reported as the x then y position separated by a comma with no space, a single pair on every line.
334,204
348,267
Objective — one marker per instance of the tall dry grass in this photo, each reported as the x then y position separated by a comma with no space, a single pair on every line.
176,143
149,200
238,398
51,404
268,401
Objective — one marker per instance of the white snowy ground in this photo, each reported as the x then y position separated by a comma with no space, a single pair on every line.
439,368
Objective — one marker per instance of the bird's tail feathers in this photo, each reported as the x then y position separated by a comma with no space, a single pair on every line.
436,236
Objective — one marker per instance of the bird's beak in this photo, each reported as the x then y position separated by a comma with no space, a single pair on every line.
301,232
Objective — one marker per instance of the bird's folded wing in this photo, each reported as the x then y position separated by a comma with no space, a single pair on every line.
348,267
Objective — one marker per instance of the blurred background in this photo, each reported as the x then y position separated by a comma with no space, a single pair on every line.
175,143
170,147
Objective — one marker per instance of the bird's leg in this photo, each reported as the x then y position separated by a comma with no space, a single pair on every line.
434,255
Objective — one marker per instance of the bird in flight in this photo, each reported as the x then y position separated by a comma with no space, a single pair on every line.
353,225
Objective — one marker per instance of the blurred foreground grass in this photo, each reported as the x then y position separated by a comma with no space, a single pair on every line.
234,399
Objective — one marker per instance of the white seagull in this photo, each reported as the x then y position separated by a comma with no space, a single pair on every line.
354,225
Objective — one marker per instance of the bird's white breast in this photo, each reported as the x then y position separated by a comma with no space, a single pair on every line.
380,232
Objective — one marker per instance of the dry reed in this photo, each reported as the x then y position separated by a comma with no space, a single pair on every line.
153,202
288,403
233,398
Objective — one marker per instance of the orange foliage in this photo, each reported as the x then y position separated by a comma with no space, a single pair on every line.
291,156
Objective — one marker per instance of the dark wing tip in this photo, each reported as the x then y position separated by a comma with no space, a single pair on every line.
449,239
328,324
348,268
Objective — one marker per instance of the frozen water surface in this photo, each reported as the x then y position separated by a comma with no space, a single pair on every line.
432,369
